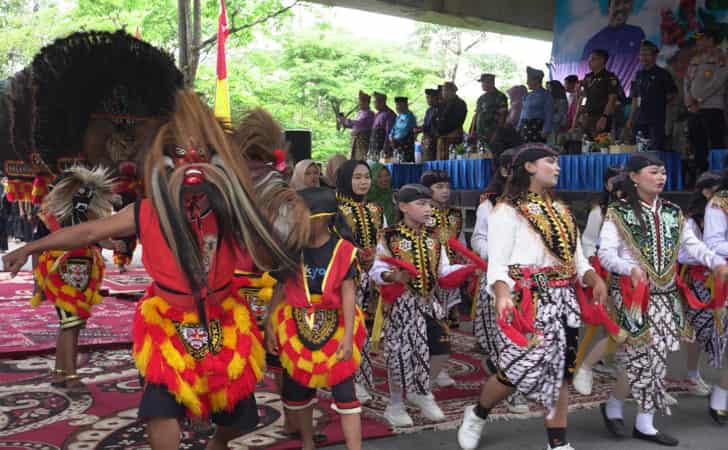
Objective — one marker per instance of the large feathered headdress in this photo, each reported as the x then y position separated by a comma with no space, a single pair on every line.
223,177
80,194
111,82
260,141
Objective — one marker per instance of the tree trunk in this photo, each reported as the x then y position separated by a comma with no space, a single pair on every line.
194,50
183,16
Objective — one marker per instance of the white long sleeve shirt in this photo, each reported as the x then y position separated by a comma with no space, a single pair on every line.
616,256
683,256
716,230
590,238
518,243
479,239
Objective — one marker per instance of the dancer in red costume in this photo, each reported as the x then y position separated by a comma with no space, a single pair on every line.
195,342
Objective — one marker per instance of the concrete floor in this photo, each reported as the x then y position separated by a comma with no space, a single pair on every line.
689,422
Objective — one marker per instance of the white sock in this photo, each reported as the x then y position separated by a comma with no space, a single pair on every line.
644,423
719,398
395,395
614,408
693,374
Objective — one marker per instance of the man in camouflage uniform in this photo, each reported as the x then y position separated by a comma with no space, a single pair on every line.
490,111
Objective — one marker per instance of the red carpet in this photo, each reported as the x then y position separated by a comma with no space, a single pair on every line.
31,330
40,417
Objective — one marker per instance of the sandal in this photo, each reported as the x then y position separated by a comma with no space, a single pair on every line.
74,385
58,378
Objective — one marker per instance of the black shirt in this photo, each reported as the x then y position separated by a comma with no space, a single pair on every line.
596,89
316,261
651,88
451,116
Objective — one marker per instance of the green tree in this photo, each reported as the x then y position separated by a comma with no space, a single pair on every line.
28,26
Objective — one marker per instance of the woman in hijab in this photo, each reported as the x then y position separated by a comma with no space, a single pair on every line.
363,220
381,192
306,174
516,95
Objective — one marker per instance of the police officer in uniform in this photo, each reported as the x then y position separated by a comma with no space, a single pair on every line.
598,97
652,90
704,86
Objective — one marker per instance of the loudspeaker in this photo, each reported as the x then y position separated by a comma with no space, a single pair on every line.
300,144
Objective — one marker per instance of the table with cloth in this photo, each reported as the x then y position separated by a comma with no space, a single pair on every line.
578,172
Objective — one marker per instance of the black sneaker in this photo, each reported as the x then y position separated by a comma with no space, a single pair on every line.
615,426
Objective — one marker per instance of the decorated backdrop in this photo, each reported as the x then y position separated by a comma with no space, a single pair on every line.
619,26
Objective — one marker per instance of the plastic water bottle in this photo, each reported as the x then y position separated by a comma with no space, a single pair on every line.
585,147
451,153
418,152
640,142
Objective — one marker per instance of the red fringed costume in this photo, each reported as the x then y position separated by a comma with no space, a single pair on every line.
308,349
207,369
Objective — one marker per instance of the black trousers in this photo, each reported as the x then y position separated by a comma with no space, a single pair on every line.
706,131
655,132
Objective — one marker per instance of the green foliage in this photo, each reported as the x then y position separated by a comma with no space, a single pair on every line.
296,75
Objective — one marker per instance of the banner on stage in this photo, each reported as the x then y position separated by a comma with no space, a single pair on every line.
619,26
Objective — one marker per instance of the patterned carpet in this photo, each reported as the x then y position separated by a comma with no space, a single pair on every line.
35,416
32,330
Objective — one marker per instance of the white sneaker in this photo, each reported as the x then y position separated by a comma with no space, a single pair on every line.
583,380
516,403
698,387
427,406
444,380
670,400
397,416
560,447
470,430
361,393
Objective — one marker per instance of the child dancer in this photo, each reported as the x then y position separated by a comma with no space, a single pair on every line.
639,244
364,220
318,330
706,321
416,342
716,238
533,269
448,222
195,341
72,279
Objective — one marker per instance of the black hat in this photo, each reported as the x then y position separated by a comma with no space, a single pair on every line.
505,159
413,192
647,44
532,73
601,52
708,180
380,95
400,100
432,92
434,176
450,85
532,152
486,76
321,201
638,161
